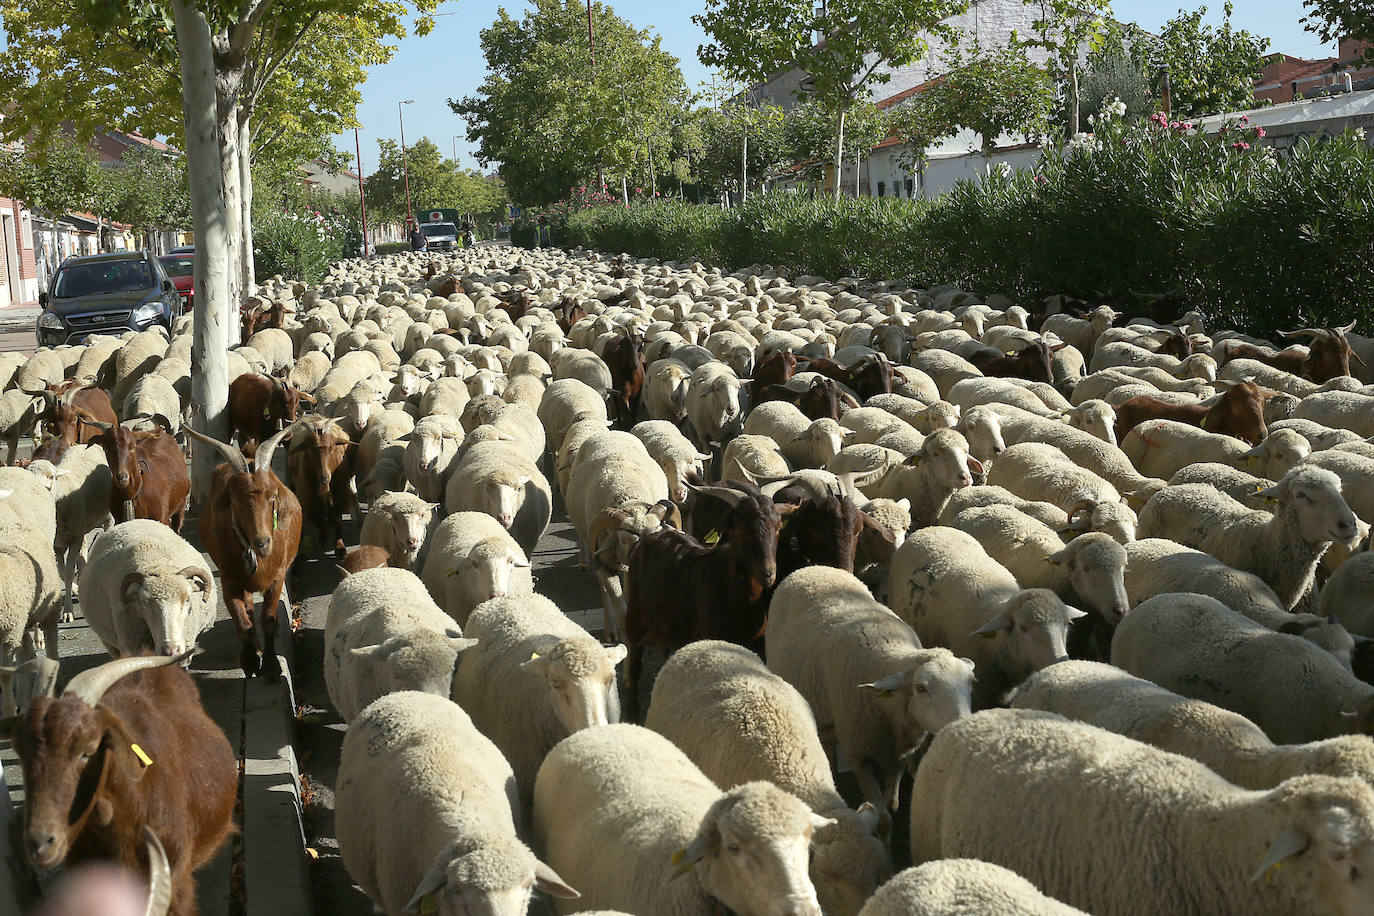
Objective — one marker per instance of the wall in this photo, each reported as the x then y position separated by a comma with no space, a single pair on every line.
943,172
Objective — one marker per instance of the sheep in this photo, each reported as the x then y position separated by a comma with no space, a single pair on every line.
31,600
20,683
431,455
944,584
472,559
826,636
139,356
533,678
804,442
1081,333
1280,451
1093,416
1319,437
1236,484
1230,744
621,812
399,523
712,402
416,761
1197,646
1043,472
1083,449
1349,593
389,427
153,401
1340,409
19,413
928,478
145,587
524,389
309,372
275,346
501,480
1356,473
384,634
447,396
1160,448
27,506
583,365
962,887
891,515
749,457
1282,548
944,368
1193,843
80,484
1047,514
739,722
565,402
1089,567
972,392
674,453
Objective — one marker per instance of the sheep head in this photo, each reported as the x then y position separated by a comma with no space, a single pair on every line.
164,601
582,683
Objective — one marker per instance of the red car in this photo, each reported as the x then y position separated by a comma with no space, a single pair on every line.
181,269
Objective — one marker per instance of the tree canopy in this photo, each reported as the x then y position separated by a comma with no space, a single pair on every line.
1332,20
1212,69
551,120
434,182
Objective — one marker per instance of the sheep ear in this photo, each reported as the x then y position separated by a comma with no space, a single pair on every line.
1075,613
548,881
433,880
904,504
695,851
459,644
368,653
996,623
1271,494
536,664
521,562
974,465
1059,558
868,817
1289,843
886,687
616,654
819,821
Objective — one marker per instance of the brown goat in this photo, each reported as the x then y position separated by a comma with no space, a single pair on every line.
1327,358
149,474
66,403
775,370
260,404
679,589
251,527
319,459
1032,362
127,748
625,359
867,377
368,556
1238,412
822,399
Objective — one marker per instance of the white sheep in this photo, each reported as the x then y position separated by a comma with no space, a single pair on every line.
664,396
27,506
1095,417
583,365
712,401
153,401
31,600
1282,548
975,391
533,678
18,416
803,442
1148,832
431,455
927,479
80,485
1081,333
962,887
944,584
472,559
750,456
674,453
739,722
623,813
826,636
385,634
1197,646
410,839
1230,744
145,587
500,479
447,396
1341,409
565,402
1037,470
398,522
1047,514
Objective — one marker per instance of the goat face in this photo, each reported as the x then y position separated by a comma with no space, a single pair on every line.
286,402
753,535
65,747
253,513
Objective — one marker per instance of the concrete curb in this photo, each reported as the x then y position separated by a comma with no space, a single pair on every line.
276,866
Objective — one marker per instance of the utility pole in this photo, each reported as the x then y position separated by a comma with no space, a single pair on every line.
405,162
1165,91
362,195
591,54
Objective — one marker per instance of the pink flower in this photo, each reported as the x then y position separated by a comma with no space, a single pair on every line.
1245,119
1240,144
1040,179
1187,125
1259,131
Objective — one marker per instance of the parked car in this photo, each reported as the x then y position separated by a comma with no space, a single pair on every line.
107,294
181,268
183,249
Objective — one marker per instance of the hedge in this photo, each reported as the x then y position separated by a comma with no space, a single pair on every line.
1252,239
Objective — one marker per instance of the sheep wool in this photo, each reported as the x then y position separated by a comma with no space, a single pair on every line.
962,887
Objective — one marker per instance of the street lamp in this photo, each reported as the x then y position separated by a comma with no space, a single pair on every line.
405,163
455,150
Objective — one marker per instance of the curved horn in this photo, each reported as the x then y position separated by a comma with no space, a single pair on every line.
262,459
159,876
91,685
83,417
1306,332
1083,505
731,496
1345,330
231,454
47,394
817,488
605,520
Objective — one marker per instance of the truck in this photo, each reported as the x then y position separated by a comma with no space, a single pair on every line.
440,226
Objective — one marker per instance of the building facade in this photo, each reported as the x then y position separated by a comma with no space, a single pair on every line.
18,264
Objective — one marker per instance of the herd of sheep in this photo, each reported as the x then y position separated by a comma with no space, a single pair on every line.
1095,585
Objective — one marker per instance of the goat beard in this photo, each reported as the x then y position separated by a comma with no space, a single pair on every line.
250,560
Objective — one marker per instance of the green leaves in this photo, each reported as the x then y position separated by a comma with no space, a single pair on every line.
1334,20
1211,69
434,182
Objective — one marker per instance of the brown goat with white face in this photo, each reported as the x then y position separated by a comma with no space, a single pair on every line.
251,527
127,749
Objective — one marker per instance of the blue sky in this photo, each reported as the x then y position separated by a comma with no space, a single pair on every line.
448,62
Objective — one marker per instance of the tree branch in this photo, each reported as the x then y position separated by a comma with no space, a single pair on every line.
270,70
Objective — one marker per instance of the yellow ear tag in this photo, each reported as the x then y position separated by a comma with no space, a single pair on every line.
274,518
1269,875
267,413
533,656
1202,424
142,756
429,903
711,538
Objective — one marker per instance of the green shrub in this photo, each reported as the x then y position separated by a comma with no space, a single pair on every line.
390,247
1252,239
298,246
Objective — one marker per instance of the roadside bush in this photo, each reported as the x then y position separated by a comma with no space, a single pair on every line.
1252,239
390,247
298,245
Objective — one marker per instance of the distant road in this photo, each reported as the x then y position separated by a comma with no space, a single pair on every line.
17,330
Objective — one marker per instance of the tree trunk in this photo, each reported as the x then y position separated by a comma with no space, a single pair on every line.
653,179
625,190
1073,99
247,274
229,172
858,170
210,346
839,153
744,171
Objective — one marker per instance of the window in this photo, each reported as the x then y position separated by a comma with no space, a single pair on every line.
910,187
882,189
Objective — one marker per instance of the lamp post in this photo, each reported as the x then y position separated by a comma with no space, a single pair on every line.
362,195
405,162
455,150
